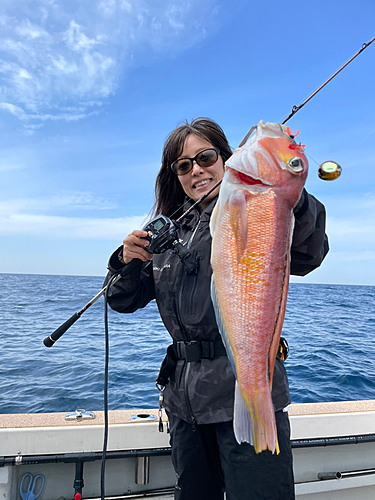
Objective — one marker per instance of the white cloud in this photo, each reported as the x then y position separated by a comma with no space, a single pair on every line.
72,114
72,54
351,234
351,229
15,110
76,40
40,217
367,255
66,200
13,159
69,227
63,66
5,167
175,15
351,221
29,30
25,74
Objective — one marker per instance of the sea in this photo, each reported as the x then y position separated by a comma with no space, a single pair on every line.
330,330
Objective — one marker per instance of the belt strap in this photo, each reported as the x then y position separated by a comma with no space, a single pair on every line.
196,350
191,351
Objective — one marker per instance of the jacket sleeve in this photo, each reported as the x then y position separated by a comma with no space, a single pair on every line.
135,289
309,243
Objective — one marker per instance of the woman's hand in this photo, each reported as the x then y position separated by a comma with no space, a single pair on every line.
134,247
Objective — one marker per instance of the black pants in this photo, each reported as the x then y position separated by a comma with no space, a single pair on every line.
209,461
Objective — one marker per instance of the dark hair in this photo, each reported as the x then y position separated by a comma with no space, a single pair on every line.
169,195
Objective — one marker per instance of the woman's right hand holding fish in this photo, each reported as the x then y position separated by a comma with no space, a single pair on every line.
134,247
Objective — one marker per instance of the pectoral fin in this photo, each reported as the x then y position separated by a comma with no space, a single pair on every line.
237,206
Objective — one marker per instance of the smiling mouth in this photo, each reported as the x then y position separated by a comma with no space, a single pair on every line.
202,183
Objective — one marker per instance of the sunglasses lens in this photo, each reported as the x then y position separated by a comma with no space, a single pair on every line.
183,166
207,158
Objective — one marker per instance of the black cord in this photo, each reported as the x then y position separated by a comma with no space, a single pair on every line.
125,270
106,366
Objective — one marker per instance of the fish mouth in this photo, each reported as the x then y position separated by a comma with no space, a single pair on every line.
247,179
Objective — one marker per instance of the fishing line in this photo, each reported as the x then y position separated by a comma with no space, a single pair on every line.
311,158
365,138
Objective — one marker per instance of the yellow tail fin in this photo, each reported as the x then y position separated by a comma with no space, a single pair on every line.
254,421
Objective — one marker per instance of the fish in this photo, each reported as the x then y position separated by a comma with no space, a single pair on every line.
252,227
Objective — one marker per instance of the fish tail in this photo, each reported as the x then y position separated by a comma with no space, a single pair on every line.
242,422
265,432
255,423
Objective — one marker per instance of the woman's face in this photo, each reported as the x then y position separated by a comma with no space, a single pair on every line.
200,180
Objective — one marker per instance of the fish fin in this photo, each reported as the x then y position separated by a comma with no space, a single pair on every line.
242,424
280,319
220,324
213,218
254,421
237,207
265,432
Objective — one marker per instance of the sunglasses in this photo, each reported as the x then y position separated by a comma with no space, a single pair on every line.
205,158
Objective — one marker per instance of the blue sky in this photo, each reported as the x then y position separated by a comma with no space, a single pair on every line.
90,90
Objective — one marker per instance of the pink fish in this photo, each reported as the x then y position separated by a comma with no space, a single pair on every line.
252,227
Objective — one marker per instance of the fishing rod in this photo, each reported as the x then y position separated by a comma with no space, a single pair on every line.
297,108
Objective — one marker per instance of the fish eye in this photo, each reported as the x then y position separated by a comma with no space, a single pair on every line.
295,164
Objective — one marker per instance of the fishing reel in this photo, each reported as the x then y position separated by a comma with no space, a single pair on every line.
162,236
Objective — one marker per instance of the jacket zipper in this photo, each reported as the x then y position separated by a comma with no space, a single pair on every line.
182,327
179,301
189,299
187,365
186,393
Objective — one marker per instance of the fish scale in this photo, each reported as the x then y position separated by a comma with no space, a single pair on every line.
249,309
252,227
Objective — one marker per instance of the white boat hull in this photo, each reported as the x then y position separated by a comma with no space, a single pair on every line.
318,431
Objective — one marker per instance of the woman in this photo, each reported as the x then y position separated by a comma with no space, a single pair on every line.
199,396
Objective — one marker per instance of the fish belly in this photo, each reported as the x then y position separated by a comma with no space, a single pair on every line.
250,261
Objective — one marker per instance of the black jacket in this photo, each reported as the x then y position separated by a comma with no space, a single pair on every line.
202,391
